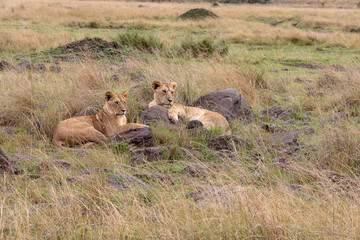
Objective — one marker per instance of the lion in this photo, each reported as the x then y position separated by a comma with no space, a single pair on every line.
164,96
87,130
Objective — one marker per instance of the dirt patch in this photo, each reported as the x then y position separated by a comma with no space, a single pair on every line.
198,14
313,66
94,48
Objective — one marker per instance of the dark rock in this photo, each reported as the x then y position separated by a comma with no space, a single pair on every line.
290,121
308,130
20,156
337,117
194,124
152,153
155,115
95,170
343,181
195,170
227,155
271,127
7,166
138,77
40,67
89,111
26,65
7,130
189,152
225,142
116,75
5,65
124,181
229,103
55,69
62,164
300,80
218,194
156,177
285,138
140,137
275,113
137,160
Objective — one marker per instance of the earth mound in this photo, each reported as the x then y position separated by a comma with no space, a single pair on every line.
198,14
95,48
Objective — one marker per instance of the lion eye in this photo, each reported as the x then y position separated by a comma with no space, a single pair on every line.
172,92
164,91
117,102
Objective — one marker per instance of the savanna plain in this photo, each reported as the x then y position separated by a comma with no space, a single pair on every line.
58,58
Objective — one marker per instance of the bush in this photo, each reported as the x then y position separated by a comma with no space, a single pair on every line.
202,48
134,40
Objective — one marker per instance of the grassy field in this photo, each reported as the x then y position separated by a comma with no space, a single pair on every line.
306,59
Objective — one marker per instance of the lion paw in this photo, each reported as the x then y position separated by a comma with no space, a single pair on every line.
173,118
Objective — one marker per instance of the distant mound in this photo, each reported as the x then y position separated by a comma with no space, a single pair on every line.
215,4
95,48
197,14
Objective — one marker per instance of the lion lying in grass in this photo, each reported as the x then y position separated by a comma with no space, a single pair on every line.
87,130
164,96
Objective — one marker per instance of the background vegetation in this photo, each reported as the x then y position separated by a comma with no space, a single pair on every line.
305,59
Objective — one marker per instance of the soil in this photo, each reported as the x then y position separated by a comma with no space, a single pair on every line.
94,48
198,14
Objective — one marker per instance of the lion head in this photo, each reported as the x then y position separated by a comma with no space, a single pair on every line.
116,103
164,94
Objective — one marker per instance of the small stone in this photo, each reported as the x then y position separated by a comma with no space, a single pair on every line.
55,69
62,164
286,138
40,67
124,181
189,152
89,111
154,115
138,77
225,142
152,153
195,170
137,160
140,137
20,156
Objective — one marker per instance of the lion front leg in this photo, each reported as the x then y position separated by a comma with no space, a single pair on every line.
173,116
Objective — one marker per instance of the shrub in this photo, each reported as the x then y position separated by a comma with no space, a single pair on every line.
134,40
202,48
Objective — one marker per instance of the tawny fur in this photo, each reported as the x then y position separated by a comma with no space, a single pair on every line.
164,96
86,130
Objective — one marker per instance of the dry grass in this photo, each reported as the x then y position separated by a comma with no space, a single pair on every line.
315,195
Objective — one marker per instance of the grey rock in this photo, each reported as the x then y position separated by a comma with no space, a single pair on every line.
40,67
55,69
308,130
195,170
124,181
140,137
225,142
138,77
195,124
7,166
151,153
156,177
62,164
7,130
20,156
227,155
26,65
189,152
137,160
95,170
155,115
218,194
229,103
275,113
286,138
5,65
271,127
89,111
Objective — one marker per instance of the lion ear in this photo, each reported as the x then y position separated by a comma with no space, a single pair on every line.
156,85
125,94
109,95
173,85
